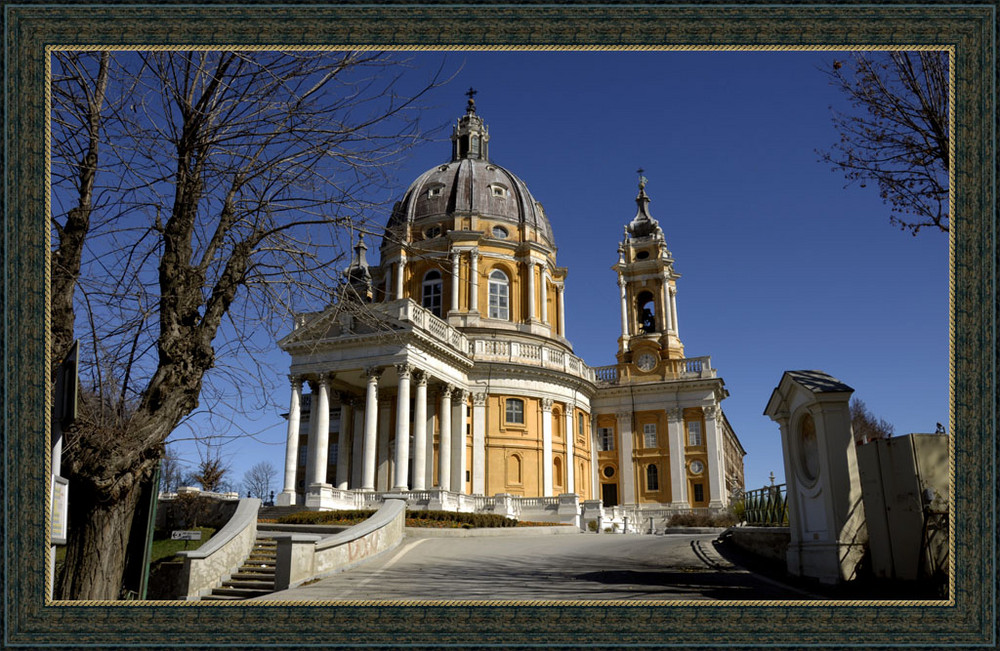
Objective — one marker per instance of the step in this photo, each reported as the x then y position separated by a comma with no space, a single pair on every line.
241,593
249,585
254,576
221,597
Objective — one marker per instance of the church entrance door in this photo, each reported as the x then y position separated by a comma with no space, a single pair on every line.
609,494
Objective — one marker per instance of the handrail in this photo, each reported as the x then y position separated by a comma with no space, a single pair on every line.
766,507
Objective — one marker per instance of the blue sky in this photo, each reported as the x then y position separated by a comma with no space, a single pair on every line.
782,267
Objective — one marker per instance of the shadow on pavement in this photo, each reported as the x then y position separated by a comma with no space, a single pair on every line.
866,588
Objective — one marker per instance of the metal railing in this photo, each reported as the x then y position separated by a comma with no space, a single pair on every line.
766,507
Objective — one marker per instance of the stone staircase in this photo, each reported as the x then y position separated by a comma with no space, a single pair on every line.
255,578
275,512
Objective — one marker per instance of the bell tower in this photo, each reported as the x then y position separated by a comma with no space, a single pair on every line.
648,290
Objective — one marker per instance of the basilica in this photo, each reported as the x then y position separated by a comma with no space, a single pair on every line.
446,367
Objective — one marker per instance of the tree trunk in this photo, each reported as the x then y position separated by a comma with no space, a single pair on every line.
96,554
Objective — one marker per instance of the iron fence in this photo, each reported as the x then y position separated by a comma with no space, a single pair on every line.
766,507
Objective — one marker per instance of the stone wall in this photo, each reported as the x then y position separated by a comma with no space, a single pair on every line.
770,543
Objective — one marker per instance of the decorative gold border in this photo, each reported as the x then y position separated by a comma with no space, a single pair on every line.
968,31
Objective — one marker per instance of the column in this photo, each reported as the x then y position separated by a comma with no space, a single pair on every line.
454,281
343,457
371,430
624,301
531,289
420,433
570,437
388,282
673,310
287,496
382,479
678,469
544,298
562,309
546,447
668,308
319,435
444,439
402,478
458,418
479,444
429,461
625,460
474,280
716,481
595,481
400,275
357,443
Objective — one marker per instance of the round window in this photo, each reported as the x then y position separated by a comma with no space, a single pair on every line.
642,255
500,232
697,467
609,471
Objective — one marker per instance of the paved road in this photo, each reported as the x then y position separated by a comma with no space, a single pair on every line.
567,567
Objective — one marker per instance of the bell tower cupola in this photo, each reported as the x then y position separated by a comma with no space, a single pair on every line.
648,293
470,138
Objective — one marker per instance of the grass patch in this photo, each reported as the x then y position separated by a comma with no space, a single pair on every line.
164,547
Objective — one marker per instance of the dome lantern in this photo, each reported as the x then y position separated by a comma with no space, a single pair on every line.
470,137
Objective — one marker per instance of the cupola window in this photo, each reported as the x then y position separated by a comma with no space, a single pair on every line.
431,292
647,312
500,232
435,191
642,255
499,296
432,232
498,191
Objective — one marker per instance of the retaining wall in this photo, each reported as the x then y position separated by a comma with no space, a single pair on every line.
767,542
303,556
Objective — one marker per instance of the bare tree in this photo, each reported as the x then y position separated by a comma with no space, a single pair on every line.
866,425
171,473
217,188
210,474
898,135
258,480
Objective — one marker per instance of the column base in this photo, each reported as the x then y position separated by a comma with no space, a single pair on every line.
320,497
285,498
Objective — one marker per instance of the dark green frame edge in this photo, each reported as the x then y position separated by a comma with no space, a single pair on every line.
971,28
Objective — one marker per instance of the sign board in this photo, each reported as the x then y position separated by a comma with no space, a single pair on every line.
185,535
60,509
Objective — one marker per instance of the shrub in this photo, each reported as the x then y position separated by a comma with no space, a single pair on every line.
702,519
592,525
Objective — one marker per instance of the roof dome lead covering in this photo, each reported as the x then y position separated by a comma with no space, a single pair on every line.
471,184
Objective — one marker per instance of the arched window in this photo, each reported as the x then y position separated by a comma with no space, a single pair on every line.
431,292
557,472
499,295
646,315
652,478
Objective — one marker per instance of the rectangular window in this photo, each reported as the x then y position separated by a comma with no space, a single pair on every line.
652,478
302,454
331,458
699,492
694,432
605,439
580,426
515,411
649,435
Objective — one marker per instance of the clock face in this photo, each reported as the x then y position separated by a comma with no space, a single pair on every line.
646,362
697,467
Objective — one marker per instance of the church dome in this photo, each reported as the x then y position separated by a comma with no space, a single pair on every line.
470,184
